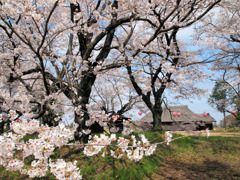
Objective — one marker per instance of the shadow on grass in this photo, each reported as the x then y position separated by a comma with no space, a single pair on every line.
209,169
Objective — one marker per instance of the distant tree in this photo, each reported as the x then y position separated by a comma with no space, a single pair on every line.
163,63
219,99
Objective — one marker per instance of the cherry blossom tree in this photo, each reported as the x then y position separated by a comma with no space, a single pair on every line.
220,35
160,61
42,42
55,49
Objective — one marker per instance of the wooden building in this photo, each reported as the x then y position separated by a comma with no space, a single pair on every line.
186,120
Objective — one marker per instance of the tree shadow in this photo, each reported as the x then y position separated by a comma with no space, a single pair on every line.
209,169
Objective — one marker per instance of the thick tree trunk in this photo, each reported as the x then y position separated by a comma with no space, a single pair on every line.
2,127
8,122
157,117
81,119
83,138
84,92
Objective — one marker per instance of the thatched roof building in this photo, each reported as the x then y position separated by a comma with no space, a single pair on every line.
186,121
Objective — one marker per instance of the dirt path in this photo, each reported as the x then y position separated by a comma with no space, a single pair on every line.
210,168
212,133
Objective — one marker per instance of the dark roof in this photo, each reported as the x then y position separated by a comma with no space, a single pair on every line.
186,115
208,119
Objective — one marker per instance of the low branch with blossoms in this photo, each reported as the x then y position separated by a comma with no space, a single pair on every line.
50,138
41,149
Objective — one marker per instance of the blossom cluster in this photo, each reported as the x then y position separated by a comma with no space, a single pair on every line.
13,115
59,135
38,169
7,148
96,144
24,126
41,148
51,137
13,101
142,148
168,137
15,165
63,170
134,149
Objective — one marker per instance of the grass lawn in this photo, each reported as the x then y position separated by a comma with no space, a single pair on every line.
194,157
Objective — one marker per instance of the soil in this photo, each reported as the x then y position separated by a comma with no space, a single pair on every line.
209,169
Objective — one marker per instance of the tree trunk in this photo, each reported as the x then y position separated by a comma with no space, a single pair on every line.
83,138
2,127
157,117
81,119
84,92
224,120
8,122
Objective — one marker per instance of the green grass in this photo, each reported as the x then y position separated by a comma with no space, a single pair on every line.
98,167
29,136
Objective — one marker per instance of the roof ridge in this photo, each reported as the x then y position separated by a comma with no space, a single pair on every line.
179,106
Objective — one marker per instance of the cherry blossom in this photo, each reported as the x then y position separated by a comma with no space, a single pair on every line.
38,169
65,170
15,165
168,137
208,132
